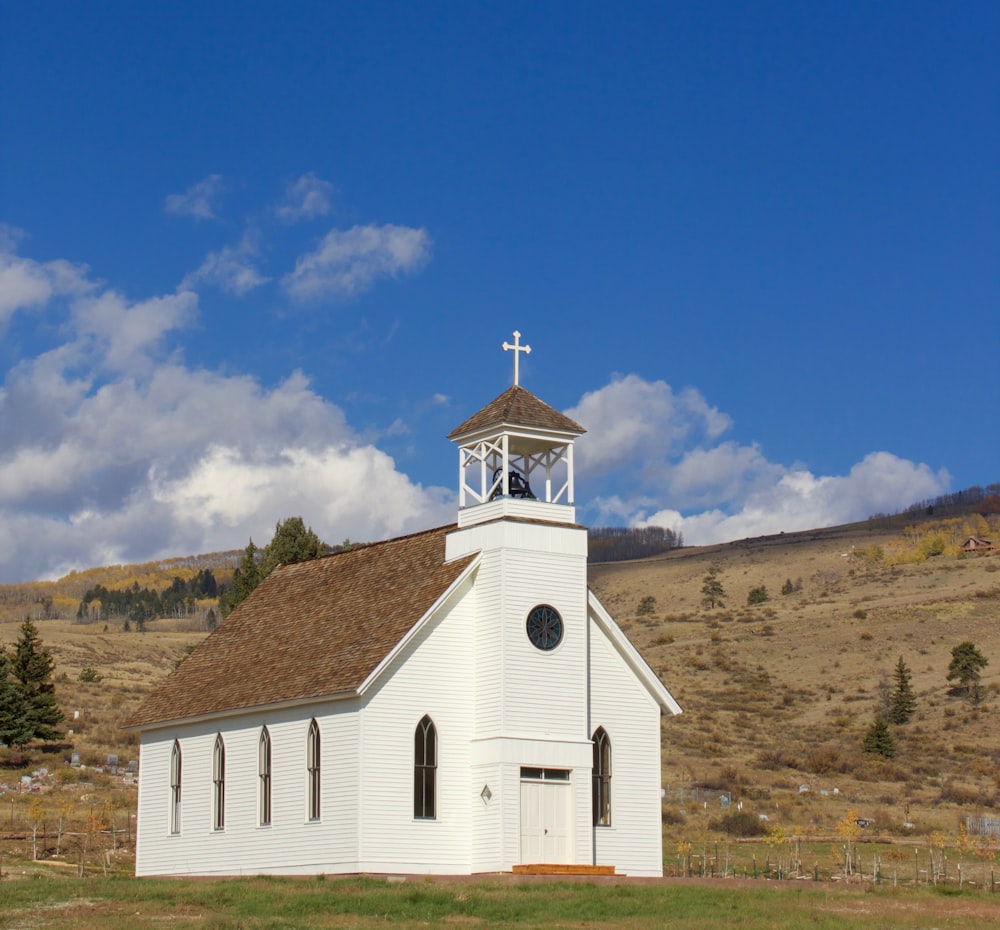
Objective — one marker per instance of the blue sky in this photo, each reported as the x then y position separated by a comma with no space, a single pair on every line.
257,260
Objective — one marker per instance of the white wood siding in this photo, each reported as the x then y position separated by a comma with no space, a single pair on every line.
290,844
434,676
627,711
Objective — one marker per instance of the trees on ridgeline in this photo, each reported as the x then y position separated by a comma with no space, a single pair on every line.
136,605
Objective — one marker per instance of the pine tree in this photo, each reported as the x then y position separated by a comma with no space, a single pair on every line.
966,664
14,730
291,542
712,592
903,702
31,667
878,739
245,579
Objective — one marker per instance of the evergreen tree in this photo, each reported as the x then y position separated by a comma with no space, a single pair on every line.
966,664
878,739
245,579
292,542
14,730
31,667
712,592
903,701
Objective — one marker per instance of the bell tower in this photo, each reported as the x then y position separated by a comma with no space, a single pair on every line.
515,457
530,632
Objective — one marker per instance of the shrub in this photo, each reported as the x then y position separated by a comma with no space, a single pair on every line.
773,759
90,675
757,595
66,775
646,606
822,760
739,823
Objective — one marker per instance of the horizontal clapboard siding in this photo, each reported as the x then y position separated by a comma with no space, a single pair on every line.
627,711
290,844
434,676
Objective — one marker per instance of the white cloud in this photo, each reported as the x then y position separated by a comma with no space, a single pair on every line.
114,450
347,262
25,284
128,333
197,201
232,269
632,422
798,500
666,449
305,199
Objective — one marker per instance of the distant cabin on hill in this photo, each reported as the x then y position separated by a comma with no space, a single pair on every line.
976,545
455,701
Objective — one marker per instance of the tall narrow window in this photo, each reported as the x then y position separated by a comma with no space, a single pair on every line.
425,770
175,788
264,776
219,784
602,778
313,770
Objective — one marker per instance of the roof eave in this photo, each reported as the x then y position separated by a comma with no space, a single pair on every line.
632,657
238,711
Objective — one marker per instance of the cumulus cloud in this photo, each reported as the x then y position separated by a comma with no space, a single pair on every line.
113,449
233,269
347,262
632,423
305,199
25,284
197,201
667,449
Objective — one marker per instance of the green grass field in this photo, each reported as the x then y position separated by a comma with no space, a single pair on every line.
264,903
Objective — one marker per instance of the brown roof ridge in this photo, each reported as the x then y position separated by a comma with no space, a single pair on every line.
355,546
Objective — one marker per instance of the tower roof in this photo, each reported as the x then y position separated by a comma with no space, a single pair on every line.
518,407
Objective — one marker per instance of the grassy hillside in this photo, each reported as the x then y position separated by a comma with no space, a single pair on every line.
777,697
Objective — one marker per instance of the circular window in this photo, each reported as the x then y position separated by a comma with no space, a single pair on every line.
545,627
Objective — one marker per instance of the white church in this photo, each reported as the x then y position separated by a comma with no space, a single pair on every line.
455,701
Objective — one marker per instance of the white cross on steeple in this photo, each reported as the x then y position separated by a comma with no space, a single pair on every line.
518,349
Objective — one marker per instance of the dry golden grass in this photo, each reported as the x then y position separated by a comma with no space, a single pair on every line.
775,696
779,695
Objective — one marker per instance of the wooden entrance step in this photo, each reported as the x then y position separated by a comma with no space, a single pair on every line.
553,868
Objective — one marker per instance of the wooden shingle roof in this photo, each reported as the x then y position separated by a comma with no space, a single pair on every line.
518,407
310,630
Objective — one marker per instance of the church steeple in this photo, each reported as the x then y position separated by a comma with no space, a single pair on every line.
516,457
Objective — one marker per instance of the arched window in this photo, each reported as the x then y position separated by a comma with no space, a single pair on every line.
602,778
175,788
425,770
264,776
219,784
313,770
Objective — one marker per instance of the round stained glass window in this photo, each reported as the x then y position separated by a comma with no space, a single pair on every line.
545,627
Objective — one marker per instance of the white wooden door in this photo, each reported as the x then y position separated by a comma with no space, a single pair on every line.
545,822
